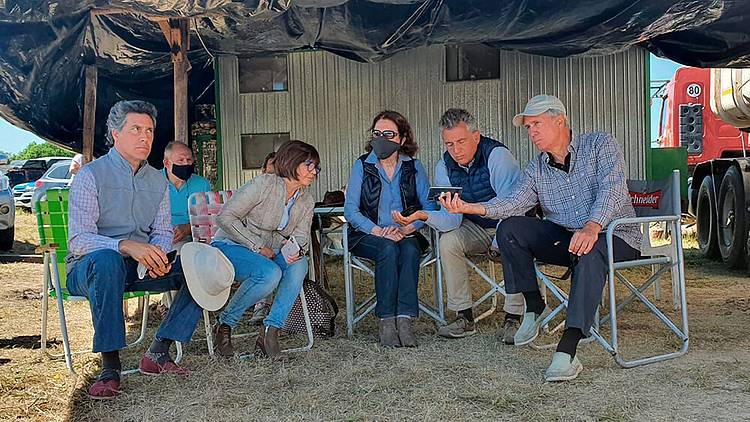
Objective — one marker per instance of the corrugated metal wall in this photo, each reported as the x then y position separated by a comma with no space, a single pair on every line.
331,101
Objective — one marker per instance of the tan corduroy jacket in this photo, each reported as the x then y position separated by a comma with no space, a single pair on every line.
251,217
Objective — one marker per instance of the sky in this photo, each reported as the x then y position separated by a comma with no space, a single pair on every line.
13,139
661,69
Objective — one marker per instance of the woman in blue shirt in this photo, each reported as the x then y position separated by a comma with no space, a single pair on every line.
385,180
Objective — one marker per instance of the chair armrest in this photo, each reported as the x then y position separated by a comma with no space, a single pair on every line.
634,220
641,220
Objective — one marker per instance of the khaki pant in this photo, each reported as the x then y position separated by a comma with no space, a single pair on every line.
466,241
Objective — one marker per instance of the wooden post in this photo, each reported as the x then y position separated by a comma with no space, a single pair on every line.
176,33
89,113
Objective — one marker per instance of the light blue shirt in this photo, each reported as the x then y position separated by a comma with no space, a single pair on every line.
285,215
178,198
390,194
504,172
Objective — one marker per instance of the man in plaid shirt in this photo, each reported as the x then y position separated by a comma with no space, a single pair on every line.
581,186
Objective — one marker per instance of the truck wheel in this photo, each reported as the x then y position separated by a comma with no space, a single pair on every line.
732,231
705,219
6,238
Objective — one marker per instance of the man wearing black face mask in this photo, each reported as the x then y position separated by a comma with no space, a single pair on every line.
178,168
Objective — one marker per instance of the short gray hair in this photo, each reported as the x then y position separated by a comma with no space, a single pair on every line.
554,113
174,145
453,116
119,113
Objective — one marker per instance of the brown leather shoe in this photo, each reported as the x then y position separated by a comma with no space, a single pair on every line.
268,342
223,340
405,334
388,333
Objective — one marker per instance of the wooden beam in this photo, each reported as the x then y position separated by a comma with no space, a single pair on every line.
180,101
166,30
179,47
89,112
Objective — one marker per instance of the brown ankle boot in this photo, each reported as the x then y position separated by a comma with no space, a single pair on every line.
223,340
268,342
271,341
405,334
388,333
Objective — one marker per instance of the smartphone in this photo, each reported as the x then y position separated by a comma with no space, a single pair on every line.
291,248
435,191
143,272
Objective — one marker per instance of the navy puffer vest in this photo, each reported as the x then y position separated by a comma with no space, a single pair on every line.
370,196
476,182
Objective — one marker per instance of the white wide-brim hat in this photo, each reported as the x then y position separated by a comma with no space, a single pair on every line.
208,273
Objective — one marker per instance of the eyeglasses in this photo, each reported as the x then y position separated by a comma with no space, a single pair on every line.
311,165
387,134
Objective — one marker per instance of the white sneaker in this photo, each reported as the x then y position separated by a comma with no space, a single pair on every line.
563,368
529,329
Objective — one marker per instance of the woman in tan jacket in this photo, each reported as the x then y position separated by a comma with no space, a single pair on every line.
254,224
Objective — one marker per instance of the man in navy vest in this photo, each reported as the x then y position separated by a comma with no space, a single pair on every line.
484,168
120,217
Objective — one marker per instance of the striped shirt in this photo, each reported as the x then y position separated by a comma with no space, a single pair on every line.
595,189
83,214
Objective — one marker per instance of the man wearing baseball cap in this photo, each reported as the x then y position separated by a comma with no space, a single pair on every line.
581,185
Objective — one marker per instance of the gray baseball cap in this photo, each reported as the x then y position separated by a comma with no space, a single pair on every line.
537,105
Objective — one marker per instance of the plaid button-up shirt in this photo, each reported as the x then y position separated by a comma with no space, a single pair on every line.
595,189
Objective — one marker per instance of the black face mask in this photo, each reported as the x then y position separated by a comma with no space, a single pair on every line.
184,171
383,148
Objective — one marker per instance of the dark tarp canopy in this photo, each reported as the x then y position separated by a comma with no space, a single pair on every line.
45,44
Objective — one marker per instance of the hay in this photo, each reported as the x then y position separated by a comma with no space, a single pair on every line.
352,379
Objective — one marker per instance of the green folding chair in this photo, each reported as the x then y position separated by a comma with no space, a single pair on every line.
52,223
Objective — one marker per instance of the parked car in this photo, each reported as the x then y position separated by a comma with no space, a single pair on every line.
58,176
16,164
7,214
22,194
32,169
4,159
11,165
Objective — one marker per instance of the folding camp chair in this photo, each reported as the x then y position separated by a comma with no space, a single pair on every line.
52,223
355,312
496,288
330,220
653,201
203,208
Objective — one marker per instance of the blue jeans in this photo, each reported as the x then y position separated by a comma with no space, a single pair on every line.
259,277
104,275
396,273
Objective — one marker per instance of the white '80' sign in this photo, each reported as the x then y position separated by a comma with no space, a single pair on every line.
693,90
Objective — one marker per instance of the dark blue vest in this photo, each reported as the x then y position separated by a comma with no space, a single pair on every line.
370,196
476,182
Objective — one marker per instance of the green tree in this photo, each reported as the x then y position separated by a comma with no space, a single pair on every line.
34,150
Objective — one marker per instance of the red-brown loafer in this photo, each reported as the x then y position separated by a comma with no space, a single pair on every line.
149,366
104,390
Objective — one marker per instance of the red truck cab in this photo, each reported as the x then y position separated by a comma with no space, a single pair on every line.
687,120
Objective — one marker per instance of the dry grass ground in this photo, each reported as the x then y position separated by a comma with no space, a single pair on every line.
352,379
